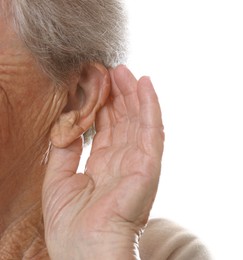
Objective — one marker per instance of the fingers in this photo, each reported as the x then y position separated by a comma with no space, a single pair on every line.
152,134
123,103
133,105
125,91
119,113
127,123
150,113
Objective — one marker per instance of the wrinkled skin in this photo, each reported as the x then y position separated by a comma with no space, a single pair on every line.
103,212
29,104
96,215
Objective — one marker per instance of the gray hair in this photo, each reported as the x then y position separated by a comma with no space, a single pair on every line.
64,34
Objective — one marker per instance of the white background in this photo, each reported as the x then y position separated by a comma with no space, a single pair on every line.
193,51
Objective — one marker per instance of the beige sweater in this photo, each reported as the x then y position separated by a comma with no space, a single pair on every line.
163,240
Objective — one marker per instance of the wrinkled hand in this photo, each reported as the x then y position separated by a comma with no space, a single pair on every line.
101,214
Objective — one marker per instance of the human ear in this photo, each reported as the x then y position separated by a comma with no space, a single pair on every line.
87,95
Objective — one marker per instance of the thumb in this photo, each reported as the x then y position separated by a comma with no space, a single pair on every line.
61,183
63,162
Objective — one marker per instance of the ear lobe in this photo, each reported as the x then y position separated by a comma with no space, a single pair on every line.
94,86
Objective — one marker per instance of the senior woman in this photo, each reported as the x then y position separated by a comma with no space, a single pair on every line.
58,77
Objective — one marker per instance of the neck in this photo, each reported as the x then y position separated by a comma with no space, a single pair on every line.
24,239
20,187
21,225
